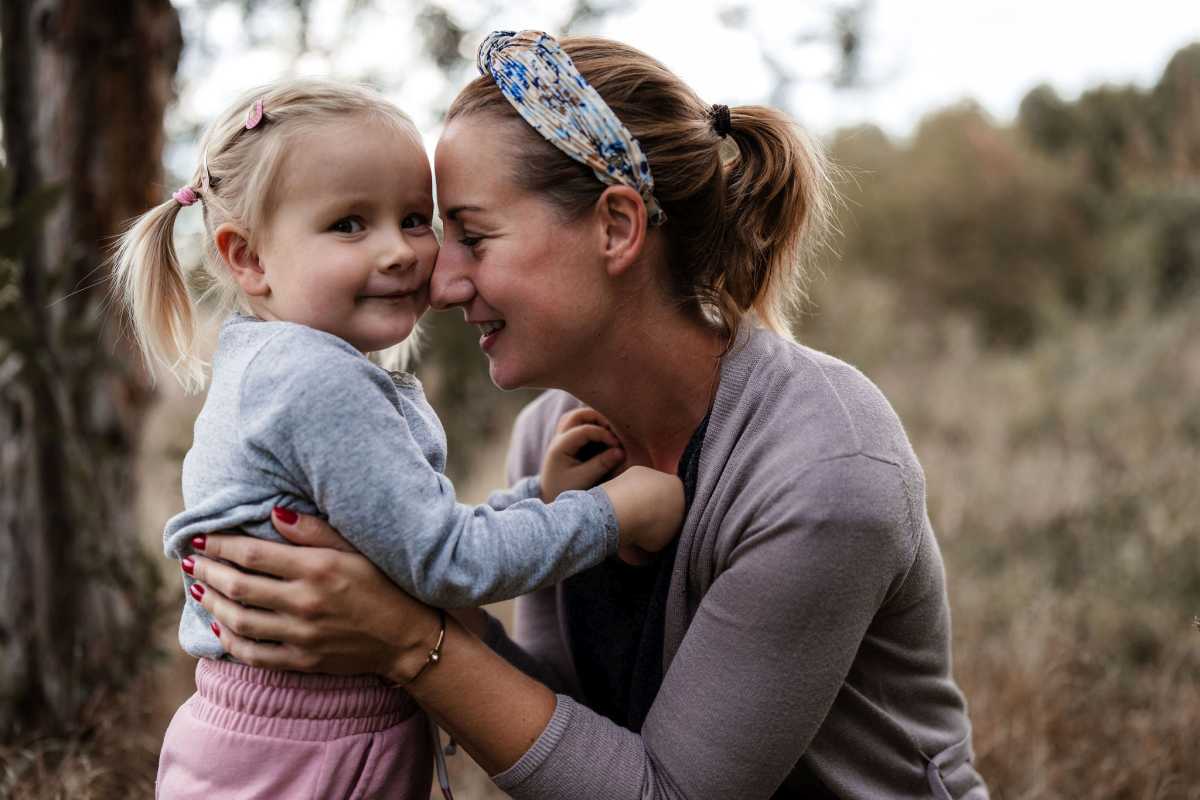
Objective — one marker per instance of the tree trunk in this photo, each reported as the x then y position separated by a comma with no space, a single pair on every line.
85,86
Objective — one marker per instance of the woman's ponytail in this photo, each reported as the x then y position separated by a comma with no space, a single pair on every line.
747,196
778,211
151,284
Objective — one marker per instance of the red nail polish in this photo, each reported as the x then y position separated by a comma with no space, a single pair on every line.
189,566
286,515
199,542
197,592
216,629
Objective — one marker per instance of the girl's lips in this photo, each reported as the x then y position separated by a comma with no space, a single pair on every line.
391,296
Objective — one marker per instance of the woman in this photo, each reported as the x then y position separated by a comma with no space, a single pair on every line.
634,250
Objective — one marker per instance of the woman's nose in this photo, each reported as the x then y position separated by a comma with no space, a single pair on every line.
450,286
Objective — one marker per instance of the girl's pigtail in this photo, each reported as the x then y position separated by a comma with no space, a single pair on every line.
151,283
779,209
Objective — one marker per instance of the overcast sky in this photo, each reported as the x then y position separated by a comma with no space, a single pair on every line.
922,54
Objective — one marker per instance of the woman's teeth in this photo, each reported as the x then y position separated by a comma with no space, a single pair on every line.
487,328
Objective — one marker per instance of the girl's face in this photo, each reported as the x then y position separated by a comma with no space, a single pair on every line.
349,247
532,283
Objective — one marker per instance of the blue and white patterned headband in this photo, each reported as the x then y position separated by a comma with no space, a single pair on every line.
543,85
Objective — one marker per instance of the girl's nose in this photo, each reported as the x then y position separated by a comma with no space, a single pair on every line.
450,285
398,254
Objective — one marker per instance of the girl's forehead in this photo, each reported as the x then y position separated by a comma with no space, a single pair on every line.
355,159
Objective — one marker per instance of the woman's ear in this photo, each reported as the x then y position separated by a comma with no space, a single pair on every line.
233,243
623,217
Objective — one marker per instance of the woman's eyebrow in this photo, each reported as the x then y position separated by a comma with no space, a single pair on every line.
453,213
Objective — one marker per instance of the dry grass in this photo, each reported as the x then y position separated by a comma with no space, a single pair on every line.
1063,486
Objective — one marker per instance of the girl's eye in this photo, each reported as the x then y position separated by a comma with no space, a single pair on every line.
347,225
414,221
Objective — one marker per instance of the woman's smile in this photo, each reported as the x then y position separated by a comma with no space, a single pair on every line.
489,331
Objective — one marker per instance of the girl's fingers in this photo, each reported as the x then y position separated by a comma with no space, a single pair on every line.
582,416
591,471
261,591
574,439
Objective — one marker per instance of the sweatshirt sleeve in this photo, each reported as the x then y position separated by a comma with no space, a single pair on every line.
537,649
766,653
315,410
528,488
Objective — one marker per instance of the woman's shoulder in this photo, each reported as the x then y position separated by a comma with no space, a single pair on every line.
537,419
806,436
810,401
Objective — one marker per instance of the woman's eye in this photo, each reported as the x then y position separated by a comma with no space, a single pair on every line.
414,221
347,225
470,241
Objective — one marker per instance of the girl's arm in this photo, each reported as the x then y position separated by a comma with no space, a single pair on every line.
325,418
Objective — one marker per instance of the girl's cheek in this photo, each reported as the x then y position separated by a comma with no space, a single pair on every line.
431,257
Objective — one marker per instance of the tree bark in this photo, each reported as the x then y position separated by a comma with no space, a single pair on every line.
85,87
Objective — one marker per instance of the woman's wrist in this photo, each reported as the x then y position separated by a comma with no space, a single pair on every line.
412,653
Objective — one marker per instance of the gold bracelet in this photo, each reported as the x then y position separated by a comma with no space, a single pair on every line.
435,655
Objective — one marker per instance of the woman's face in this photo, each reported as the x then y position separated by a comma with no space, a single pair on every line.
533,284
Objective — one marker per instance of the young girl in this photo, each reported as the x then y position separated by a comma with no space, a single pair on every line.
317,201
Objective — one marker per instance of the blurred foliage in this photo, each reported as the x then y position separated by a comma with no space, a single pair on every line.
1077,208
1028,298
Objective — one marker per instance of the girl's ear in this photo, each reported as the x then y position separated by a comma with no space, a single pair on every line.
623,216
233,243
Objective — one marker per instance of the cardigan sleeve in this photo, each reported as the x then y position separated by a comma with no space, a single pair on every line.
767,651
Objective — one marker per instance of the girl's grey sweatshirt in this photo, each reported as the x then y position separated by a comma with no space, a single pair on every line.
298,418
807,617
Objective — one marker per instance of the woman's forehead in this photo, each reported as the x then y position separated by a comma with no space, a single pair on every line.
472,162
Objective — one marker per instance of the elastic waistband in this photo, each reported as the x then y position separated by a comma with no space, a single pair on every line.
295,705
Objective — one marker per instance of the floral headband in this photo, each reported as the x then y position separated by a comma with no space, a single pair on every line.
544,86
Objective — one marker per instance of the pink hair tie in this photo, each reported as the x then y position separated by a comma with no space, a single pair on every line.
185,196
255,116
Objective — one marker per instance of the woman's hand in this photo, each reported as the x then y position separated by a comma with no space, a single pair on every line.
318,608
325,608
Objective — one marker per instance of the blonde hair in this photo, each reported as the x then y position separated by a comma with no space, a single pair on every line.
744,214
235,181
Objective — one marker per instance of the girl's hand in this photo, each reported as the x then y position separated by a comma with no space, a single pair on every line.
318,608
583,451
649,506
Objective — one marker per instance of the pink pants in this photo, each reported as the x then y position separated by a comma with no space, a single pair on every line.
254,733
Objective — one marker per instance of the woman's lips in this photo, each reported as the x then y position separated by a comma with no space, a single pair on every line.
489,332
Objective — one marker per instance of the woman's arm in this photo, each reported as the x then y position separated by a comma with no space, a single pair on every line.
764,657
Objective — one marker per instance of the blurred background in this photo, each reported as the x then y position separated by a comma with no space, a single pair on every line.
1018,269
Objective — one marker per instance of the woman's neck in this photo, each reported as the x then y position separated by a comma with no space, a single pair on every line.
655,383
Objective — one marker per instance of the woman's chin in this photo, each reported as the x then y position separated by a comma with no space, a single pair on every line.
505,375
